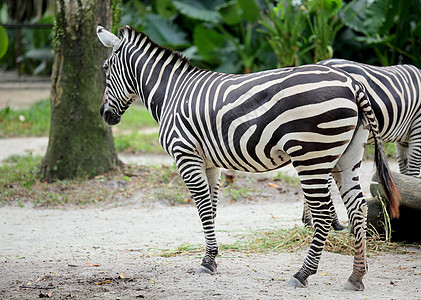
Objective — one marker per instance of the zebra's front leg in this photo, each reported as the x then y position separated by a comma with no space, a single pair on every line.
317,195
307,220
194,173
214,177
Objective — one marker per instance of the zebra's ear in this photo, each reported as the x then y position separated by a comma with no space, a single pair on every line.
107,38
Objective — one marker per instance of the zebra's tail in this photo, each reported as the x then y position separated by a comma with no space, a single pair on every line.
383,171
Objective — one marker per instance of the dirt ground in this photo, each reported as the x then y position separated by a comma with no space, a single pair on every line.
114,252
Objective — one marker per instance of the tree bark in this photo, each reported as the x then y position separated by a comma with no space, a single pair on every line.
408,186
80,144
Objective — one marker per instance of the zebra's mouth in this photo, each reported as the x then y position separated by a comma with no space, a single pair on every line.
109,116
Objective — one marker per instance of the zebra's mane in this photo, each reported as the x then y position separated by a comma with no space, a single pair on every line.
132,35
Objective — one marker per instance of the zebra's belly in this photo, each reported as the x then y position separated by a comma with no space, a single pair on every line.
248,160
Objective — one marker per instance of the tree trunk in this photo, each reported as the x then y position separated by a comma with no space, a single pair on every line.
80,144
408,186
404,228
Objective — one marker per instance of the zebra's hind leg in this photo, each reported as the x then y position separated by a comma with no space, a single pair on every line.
346,174
414,151
307,220
317,193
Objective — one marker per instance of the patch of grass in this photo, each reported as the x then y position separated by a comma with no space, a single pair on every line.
235,186
291,240
33,121
183,249
19,171
135,118
20,184
138,142
168,186
291,180
389,150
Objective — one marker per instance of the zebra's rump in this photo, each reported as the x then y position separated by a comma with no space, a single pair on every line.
394,93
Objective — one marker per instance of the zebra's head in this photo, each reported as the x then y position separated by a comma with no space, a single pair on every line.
118,94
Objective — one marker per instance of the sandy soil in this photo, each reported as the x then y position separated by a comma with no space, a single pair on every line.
81,254
113,253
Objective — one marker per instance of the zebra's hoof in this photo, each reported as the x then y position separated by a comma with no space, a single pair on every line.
337,226
204,270
294,282
354,286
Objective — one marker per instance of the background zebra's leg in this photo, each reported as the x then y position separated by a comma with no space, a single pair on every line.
214,177
346,174
307,220
317,193
414,153
194,174
402,156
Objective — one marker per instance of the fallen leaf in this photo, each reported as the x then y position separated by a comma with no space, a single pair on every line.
90,265
122,275
392,283
324,274
104,282
274,185
15,257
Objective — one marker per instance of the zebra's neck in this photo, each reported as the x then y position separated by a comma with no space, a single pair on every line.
158,72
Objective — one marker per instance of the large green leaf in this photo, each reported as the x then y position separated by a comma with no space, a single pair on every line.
230,12
250,10
164,32
199,10
4,41
207,40
165,8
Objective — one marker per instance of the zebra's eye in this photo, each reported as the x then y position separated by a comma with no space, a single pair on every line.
105,66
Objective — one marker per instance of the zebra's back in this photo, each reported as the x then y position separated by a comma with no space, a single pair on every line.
258,121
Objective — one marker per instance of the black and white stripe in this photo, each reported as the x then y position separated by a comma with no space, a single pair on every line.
313,116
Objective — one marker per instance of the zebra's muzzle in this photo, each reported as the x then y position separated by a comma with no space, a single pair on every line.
109,116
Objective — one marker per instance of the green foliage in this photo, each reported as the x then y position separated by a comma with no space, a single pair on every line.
33,121
219,35
392,28
199,10
138,142
324,24
4,41
36,48
164,32
389,149
285,26
303,32
116,9
18,171
136,118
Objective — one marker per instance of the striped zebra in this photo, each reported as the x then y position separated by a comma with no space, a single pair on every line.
314,116
395,96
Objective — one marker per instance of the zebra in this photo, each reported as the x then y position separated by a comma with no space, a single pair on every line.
315,117
395,97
